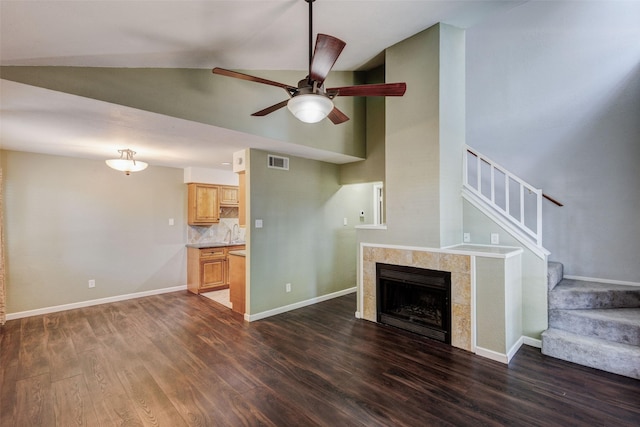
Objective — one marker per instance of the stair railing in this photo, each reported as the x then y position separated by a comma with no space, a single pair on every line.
514,199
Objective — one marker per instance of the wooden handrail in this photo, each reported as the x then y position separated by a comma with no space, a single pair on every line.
551,199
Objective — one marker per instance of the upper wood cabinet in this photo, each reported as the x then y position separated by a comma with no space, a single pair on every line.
242,208
228,195
204,204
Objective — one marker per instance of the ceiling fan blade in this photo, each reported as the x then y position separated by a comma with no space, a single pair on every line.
337,116
326,52
271,109
382,89
235,74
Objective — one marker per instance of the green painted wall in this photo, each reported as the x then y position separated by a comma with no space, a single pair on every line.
513,300
201,96
68,220
499,303
303,240
490,303
534,270
424,140
371,169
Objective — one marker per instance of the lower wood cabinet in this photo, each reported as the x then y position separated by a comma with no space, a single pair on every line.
208,269
237,283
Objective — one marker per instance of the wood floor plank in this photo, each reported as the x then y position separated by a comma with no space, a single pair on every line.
72,403
181,390
152,405
63,360
80,331
34,403
99,319
111,403
33,359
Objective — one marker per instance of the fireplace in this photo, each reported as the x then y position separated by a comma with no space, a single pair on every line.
415,299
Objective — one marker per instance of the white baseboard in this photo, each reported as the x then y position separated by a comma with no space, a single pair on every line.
593,279
506,358
532,342
514,349
294,306
82,304
493,355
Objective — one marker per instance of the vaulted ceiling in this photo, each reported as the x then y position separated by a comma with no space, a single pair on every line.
236,34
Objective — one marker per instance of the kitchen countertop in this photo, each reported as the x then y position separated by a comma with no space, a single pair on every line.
213,245
241,252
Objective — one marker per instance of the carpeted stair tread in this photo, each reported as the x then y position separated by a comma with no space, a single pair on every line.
617,325
622,359
555,273
579,294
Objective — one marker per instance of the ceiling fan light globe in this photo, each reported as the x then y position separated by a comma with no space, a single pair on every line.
310,108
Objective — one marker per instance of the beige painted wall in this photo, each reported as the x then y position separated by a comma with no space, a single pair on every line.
69,220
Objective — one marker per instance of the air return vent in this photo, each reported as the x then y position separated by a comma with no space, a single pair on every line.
277,162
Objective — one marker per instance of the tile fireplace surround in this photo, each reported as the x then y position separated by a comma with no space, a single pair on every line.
486,291
462,309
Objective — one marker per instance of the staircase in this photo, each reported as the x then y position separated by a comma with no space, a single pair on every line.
593,324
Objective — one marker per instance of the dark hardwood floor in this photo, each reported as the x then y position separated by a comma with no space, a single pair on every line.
179,359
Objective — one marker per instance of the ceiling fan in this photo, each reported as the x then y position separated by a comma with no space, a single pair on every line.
310,102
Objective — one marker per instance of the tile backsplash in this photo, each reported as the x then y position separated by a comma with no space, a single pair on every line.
214,233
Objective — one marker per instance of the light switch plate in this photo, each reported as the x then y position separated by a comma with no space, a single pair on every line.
258,223
495,238
466,237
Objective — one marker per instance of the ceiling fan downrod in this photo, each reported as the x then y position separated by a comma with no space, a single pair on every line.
310,36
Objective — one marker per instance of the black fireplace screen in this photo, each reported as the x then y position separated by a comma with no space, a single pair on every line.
415,299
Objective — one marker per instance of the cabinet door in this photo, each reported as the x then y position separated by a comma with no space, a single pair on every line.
204,205
212,273
242,209
229,196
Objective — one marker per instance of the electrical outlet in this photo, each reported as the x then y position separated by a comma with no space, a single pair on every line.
495,238
171,221
92,283
466,237
287,287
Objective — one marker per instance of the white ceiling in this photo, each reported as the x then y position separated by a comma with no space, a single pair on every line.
237,34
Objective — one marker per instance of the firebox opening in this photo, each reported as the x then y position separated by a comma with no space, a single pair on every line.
415,299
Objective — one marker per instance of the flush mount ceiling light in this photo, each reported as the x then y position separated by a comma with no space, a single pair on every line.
126,163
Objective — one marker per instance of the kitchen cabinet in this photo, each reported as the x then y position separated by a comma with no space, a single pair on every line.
203,204
208,268
242,208
237,285
228,266
228,195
